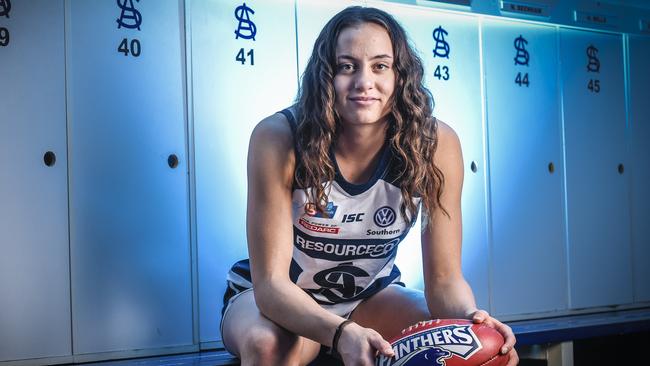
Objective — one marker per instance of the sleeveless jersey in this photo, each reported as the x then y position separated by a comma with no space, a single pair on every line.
347,253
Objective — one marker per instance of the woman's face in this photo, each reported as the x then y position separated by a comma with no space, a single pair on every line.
365,79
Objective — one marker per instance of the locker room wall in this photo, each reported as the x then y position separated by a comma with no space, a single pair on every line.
148,109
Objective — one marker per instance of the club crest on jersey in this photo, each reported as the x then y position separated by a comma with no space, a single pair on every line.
455,339
330,210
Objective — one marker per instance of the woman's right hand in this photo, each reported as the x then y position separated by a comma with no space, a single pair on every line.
359,346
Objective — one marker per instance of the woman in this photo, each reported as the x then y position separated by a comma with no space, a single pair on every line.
335,183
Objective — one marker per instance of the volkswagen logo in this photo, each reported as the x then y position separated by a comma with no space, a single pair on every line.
384,216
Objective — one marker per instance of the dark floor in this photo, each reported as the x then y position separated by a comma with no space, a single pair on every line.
627,349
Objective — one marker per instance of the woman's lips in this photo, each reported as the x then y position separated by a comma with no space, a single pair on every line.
363,101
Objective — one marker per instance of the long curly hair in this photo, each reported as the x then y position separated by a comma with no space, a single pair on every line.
412,130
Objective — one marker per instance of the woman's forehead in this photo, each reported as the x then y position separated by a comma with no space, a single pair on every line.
364,39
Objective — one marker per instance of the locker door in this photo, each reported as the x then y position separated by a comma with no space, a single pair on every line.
130,251
34,264
448,44
243,69
639,124
598,213
528,258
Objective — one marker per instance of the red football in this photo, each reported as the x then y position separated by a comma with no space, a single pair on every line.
446,342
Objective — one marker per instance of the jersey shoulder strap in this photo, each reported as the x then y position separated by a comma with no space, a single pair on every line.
292,120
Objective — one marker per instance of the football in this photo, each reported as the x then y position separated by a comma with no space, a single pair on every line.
446,342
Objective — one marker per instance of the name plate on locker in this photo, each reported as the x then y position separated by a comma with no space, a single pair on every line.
524,8
451,2
591,18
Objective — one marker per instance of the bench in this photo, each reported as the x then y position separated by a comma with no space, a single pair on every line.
549,339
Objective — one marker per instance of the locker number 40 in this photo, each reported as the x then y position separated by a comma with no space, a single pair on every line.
132,47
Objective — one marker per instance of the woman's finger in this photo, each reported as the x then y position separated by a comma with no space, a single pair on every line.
508,336
513,358
480,316
381,345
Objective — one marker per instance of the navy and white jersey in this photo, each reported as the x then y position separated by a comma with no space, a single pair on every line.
347,253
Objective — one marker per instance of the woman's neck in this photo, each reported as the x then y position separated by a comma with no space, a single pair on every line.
360,143
358,151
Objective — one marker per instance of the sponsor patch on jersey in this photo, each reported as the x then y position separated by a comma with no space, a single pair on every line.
385,216
318,228
337,249
330,210
371,232
353,217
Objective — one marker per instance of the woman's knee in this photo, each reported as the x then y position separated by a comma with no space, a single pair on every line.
271,345
392,310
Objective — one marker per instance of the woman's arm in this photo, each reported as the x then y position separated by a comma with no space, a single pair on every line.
448,294
271,164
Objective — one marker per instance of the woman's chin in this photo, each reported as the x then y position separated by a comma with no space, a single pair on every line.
363,118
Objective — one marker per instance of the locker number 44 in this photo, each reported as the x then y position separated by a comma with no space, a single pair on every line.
522,80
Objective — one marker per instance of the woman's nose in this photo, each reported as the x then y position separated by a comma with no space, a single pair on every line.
364,79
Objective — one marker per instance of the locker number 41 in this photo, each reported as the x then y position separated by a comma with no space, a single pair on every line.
241,56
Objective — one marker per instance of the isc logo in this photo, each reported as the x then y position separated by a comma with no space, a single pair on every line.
358,217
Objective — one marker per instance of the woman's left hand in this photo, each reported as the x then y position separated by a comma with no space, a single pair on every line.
482,316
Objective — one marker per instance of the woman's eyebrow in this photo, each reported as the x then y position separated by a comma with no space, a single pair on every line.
381,56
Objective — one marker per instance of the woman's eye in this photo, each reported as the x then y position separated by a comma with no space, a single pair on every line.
346,67
382,67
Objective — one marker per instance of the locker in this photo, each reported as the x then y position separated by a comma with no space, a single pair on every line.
243,69
528,258
598,212
34,277
448,44
129,207
639,131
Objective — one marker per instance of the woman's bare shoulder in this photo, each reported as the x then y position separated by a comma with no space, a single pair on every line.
271,156
273,130
448,140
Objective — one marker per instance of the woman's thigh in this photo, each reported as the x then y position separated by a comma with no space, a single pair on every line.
391,310
244,325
